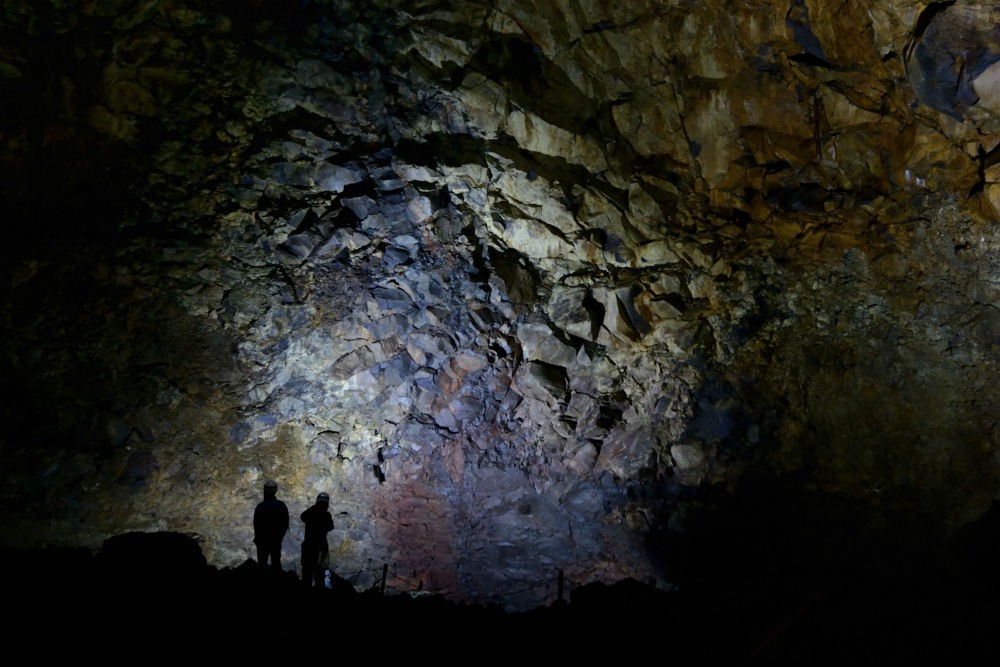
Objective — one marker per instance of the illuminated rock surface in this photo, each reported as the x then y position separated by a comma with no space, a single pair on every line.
527,287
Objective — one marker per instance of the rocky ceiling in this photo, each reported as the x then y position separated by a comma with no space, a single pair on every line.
528,287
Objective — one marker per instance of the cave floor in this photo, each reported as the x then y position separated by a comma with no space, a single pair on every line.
870,615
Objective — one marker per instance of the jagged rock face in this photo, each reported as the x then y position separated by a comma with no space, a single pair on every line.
514,283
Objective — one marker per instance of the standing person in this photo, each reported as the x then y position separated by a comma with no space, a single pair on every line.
270,523
315,550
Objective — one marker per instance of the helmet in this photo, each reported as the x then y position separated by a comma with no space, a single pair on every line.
323,498
270,485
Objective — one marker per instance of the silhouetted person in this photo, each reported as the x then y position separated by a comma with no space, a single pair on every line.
270,523
315,550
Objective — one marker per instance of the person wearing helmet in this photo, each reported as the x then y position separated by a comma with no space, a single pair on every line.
270,523
315,550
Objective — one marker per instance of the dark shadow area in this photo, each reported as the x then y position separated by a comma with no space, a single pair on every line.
745,601
789,574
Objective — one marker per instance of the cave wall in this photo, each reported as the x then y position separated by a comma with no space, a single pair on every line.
517,283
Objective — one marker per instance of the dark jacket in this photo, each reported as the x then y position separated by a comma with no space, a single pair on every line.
270,521
319,522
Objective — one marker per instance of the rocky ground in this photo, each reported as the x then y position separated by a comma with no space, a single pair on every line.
154,591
